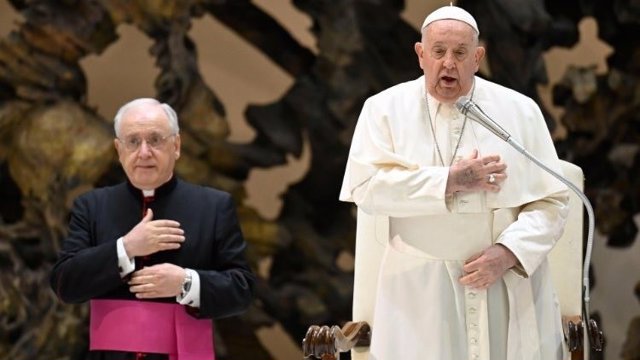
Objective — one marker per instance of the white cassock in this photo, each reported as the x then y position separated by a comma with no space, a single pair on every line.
394,170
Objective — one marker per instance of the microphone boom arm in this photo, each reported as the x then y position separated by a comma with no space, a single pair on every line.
469,108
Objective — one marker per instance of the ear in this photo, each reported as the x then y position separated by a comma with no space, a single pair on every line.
117,145
177,143
480,51
419,49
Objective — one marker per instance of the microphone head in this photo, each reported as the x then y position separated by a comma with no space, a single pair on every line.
463,103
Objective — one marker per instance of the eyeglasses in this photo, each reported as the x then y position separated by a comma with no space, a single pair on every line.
155,141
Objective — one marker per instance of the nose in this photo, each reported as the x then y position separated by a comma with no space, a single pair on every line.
449,61
145,150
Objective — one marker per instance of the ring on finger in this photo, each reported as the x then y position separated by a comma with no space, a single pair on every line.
491,178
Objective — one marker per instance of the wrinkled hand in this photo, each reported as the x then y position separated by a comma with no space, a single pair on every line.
472,174
151,236
157,281
485,268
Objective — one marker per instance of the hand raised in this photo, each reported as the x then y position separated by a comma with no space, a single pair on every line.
476,174
151,236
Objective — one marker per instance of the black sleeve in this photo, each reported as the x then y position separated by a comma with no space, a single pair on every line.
228,289
84,270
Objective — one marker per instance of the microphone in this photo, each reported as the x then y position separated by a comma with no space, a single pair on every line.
470,109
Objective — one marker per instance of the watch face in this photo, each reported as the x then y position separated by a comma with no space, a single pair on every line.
186,284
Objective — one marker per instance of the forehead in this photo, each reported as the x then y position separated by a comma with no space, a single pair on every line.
144,119
450,31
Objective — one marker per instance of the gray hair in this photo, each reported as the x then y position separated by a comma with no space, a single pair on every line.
168,110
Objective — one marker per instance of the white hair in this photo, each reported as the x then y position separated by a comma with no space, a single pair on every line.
168,110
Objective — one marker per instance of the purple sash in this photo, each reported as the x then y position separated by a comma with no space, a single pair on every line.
142,326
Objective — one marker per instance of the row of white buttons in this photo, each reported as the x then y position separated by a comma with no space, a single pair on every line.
473,331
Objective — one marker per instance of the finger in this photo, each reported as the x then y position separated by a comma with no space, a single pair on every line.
140,272
168,231
169,246
141,288
476,281
147,295
473,279
490,159
135,281
493,188
473,155
497,167
136,276
473,257
162,223
471,267
140,280
500,177
148,216
168,238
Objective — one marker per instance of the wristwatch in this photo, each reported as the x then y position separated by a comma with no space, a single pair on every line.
186,283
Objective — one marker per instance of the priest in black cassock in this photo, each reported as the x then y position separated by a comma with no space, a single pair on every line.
157,257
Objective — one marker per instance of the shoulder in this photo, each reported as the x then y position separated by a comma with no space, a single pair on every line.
398,99
102,193
203,192
399,91
491,91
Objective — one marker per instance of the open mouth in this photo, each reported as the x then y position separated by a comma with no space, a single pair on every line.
448,79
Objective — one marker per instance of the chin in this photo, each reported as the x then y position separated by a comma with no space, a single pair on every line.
449,95
145,184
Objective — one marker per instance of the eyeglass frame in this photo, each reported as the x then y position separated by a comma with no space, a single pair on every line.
161,141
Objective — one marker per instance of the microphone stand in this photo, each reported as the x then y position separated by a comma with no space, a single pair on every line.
595,335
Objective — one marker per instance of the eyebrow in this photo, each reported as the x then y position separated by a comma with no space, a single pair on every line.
461,44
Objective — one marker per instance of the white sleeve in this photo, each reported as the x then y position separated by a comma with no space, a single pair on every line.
126,265
382,182
192,297
539,226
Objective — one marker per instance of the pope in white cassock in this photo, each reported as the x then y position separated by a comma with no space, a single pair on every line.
471,221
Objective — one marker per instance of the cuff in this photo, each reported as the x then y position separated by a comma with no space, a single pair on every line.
126,265
517,269
192,297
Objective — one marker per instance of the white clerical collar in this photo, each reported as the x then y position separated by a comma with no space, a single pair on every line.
147,193
152,192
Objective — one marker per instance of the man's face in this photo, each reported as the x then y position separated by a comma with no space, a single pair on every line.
449,56
147,148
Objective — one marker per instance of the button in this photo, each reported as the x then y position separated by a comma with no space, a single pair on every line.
473,341
119,268
463,201
472,295
475,356
456,130
472,310
473,326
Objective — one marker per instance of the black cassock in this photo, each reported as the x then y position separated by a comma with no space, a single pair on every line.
87,266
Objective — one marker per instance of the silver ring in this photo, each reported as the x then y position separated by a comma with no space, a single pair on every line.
491,179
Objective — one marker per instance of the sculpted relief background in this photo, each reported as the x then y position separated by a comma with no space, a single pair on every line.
268,93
